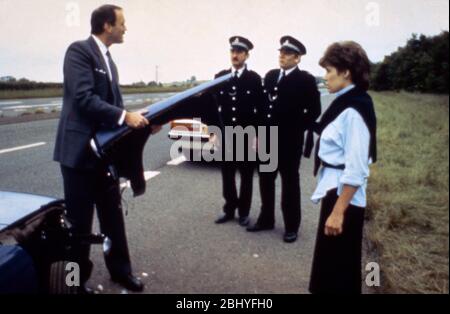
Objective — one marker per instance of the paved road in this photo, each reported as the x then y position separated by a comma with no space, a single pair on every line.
20,105
174,243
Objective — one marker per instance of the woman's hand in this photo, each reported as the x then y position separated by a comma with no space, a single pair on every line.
334,224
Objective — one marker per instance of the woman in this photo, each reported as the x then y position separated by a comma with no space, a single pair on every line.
344,150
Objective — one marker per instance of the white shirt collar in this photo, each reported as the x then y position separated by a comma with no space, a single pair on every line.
240,71
103,50
101,45
287,72
344,90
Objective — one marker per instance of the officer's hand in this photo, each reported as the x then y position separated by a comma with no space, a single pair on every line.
136,120
255,144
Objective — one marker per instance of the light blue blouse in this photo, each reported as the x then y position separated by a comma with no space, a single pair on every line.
345,141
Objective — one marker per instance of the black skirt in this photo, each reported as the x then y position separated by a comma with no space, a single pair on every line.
336,267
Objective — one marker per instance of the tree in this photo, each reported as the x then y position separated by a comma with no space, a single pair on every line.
422,65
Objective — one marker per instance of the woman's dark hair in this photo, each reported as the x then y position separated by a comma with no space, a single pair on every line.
349,55
104,14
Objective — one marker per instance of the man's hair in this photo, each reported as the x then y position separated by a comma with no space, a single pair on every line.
349,55
104,14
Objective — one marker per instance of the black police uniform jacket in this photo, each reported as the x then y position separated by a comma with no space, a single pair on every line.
292,105
239,99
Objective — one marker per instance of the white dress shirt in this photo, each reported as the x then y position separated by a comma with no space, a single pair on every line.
104,50
239,72
345,141
286,72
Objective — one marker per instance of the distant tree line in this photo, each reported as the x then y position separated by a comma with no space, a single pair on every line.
11,83
24,84
421,66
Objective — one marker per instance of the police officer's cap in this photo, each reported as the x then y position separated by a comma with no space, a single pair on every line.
291,44
240,43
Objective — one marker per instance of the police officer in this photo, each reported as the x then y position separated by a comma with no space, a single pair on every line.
238,100
292,103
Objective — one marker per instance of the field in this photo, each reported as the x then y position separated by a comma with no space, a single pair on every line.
408,205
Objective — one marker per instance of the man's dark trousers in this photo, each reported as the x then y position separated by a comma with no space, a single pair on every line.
290,194
83,189
232,200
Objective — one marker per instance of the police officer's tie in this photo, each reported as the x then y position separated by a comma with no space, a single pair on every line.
282,76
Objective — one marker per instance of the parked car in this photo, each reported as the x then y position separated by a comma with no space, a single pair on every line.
35,239
192,136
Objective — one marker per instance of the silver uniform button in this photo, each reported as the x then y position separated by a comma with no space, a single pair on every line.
234,119
275,89
270,106
221,92
248,92
234,108
234,98
255,111
220,109
234,87
268,116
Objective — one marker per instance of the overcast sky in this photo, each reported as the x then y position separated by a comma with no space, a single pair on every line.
190,37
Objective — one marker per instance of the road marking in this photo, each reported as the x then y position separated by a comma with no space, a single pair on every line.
147,176
10,102
8,150
177,161
30,106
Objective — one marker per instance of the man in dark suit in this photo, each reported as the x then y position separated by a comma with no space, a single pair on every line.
92,99
238,101
292,103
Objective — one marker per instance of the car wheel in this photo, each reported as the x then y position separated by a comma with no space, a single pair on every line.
58,277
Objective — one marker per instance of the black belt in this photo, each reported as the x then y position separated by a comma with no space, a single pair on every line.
327,165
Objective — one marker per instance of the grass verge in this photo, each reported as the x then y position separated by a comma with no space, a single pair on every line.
408,193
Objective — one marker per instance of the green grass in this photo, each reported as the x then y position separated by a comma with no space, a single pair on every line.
35,93
56,92
408,193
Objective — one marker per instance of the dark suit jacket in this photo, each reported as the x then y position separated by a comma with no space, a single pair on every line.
292,105
90,101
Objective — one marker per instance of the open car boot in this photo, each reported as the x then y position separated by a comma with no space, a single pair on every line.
122,148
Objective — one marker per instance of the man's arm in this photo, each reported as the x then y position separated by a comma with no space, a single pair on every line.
313,107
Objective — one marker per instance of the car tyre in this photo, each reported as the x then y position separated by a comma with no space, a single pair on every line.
57,279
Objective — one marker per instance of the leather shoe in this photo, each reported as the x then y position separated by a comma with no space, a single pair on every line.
259,227
129,282
224,218
244,221
290,237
